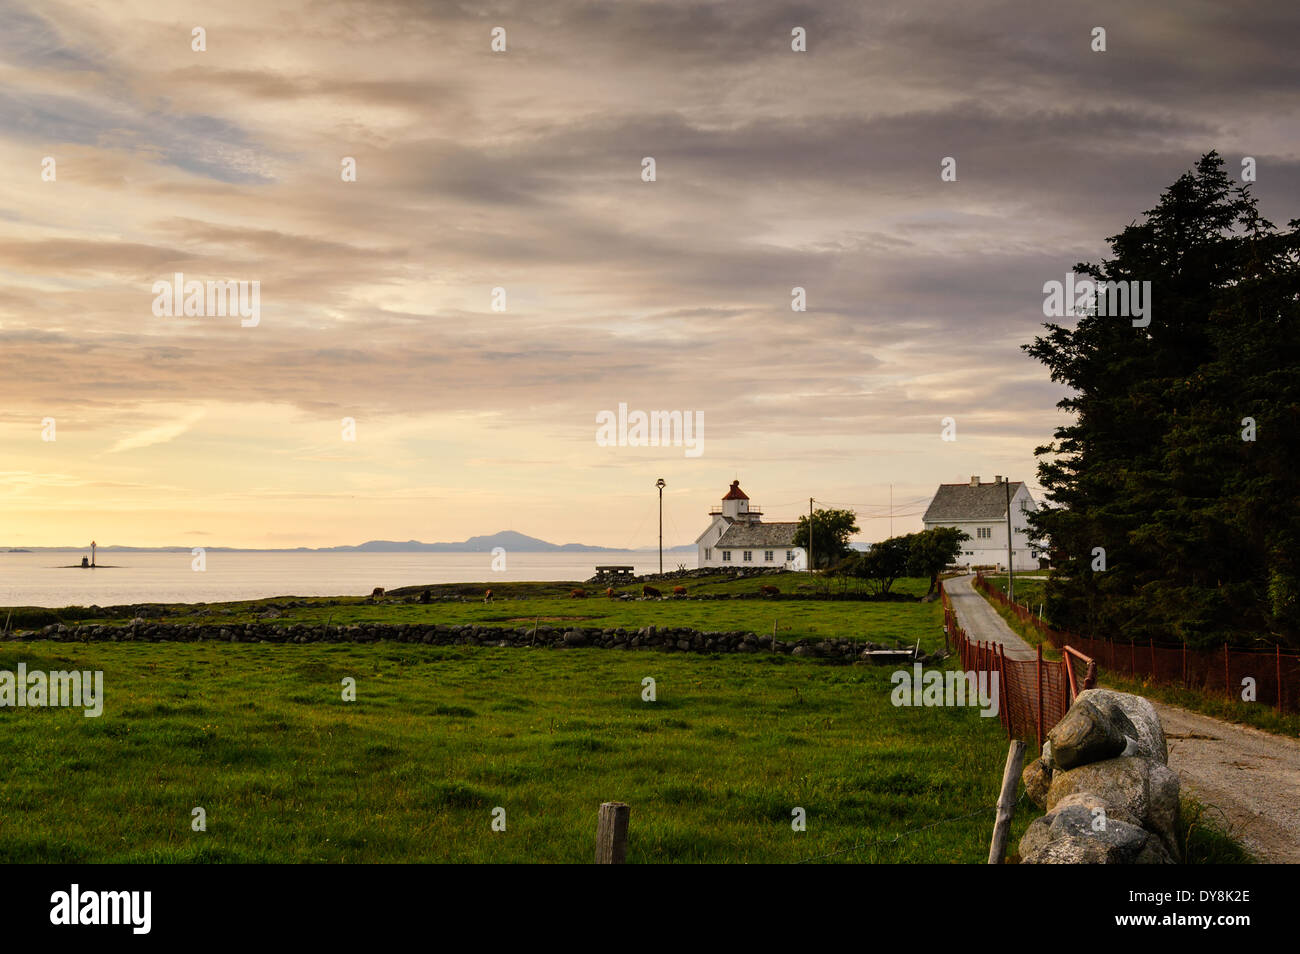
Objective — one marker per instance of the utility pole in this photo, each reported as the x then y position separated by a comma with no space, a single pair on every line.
660,484
891,510
810,536
1011,570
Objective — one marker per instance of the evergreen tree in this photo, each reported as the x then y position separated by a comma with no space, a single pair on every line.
1200,527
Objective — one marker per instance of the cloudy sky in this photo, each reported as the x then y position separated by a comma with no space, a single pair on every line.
522,170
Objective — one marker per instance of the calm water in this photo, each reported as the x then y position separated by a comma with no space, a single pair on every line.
40,579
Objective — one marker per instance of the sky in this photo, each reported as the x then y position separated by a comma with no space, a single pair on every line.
473,410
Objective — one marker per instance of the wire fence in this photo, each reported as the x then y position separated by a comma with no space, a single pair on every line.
882,840
1033,694
1273,676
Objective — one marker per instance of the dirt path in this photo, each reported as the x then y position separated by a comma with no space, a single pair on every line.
981,621
1250,777
1249,780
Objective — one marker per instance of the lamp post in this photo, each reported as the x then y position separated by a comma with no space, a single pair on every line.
660,484
92,553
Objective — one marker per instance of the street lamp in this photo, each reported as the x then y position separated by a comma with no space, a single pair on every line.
660,484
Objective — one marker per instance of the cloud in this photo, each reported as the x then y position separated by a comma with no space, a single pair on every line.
160,434
522,170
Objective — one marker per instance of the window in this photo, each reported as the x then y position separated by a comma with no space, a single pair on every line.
984,533
767,556
726,556
749,556
789,554
708,554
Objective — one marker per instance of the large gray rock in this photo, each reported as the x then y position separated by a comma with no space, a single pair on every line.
1074,834
1144,789
1086,734
1037,777
1135,716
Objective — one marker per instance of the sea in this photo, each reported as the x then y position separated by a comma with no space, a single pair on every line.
55,578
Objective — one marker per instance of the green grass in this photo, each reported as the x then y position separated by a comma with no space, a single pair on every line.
259,736
1205,837
1028,589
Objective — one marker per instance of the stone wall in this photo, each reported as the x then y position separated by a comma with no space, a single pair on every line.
664,639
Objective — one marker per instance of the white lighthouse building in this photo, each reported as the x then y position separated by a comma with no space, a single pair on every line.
737,537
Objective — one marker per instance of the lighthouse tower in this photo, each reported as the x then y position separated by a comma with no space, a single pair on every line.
735,506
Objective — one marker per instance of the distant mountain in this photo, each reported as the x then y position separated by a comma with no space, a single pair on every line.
509,540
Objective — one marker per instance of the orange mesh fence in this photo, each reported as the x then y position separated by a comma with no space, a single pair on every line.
1276,674
1033,695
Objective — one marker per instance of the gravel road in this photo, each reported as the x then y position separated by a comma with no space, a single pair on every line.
1248,779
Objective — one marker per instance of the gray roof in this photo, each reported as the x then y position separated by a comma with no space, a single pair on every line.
988,501
757,535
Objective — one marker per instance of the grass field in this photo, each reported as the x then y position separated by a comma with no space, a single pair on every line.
260,737
438,736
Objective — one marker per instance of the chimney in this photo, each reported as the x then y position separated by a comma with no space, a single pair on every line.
997,479
974,481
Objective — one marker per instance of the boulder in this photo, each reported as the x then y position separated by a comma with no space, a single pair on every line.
1082,830
1086,734
1135,716
1037,777
1141,788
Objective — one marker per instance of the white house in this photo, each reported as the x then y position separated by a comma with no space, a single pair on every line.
738,537
980,508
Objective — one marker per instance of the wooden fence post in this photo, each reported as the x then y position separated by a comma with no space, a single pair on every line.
1006,801
611,833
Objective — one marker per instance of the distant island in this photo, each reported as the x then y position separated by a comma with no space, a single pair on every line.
510,540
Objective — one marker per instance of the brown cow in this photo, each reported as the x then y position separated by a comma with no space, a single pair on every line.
650,591
679,591
609,591
487,597
378,593
767,589
578,594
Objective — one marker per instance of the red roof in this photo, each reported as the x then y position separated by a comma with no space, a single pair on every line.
735,493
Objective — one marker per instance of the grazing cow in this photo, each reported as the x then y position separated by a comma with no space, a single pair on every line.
378,593
650,591
767,589
578,594
609,591
487,597
679,591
